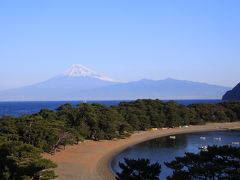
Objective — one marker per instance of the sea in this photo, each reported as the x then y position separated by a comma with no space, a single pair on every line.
29,107
165,149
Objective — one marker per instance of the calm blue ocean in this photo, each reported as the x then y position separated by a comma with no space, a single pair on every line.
20,108
165,149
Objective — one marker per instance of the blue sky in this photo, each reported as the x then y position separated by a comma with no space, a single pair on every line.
127,39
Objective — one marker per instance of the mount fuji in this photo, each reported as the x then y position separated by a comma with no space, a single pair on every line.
76,78
82,83
78,70
70,85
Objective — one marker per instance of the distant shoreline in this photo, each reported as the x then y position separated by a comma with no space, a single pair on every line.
91,160
18,108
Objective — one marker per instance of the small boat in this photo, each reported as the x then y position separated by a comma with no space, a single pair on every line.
203,148
172,137
203,138
235,143
217,139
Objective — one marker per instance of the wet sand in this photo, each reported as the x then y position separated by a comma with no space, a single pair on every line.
91,160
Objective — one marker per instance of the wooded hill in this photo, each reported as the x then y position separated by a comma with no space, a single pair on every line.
48,130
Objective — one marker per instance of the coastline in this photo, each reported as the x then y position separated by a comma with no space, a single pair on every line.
91,160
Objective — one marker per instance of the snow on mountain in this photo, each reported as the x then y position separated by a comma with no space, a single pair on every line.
78,70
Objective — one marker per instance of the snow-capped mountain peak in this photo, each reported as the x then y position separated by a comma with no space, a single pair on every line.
78,70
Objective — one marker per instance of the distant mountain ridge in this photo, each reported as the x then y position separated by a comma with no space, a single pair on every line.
82,83
233,95
163,89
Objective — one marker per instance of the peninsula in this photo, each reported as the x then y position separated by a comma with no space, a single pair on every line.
91,159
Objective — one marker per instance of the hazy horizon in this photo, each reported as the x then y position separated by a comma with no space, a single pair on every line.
136,80
125,40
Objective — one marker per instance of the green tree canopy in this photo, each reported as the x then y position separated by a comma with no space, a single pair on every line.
215,163
21,161
140,169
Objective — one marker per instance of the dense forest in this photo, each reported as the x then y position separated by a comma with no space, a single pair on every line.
49,130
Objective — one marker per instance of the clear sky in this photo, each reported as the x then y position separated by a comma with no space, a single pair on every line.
127,40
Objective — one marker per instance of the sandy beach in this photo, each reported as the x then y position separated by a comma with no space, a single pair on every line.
91,160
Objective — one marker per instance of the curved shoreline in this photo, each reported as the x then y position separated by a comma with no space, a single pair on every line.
92,160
